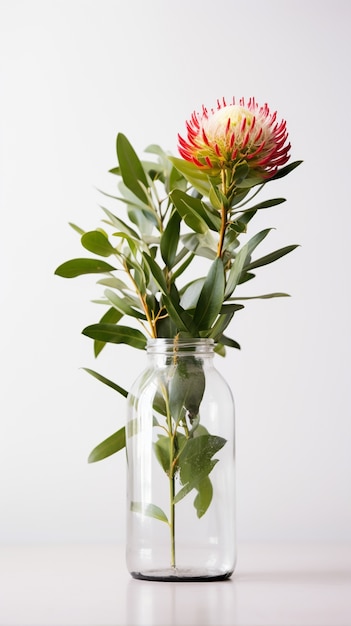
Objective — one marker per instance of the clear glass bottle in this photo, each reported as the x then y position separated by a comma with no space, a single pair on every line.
180,466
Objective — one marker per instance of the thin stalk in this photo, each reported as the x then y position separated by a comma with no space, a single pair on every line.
152,327
172,517
224,216
222,231
171,482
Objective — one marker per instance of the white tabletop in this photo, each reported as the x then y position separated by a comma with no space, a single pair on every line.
88,585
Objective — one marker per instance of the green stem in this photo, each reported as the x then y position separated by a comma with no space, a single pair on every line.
225,174
222,231
172,517
171,481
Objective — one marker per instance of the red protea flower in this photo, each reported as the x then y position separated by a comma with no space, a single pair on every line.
224,137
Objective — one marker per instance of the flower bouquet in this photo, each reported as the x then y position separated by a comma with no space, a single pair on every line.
182,212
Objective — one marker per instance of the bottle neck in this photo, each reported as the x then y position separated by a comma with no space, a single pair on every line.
179,347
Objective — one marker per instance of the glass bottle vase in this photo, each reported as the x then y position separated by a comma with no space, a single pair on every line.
180,466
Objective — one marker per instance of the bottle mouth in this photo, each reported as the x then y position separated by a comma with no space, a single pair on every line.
180,344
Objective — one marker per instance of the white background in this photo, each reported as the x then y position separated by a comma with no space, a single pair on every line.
73,74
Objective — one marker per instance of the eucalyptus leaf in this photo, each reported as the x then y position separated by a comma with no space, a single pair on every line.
122,305
157,273
205,216
211,296
76,228
111,316
284,171
111,333
186,388
150,510
201,244
175,311
220,325
120,224
170,239
106,381
96,242
189,209
270,258
132,171
215,197
182,320
251,180
241,259
231,343
265,296
195,457
109,446
204,496
194,481
191,292
78,267
164,454
196,177
266,204
113,282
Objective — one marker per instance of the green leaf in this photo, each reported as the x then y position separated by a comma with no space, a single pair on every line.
106,381
186,388
195,464
120,225
266,204
188,209
170,239
122,305
236,270
184,253
221,324
284,171
265,296
211,296
131,168
95,241
162,452
112,316
220,349
231,343
270,258
249,181
112,281
176,180
246,216
216,198
111,333
109,446
195,457
182,320
151,510
204,496
245,277
194,482
231,308
196,177
240,261
242,172
191,292
76,228
78,267
202,245
157,273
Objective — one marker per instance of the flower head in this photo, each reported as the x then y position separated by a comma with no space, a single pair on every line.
221,138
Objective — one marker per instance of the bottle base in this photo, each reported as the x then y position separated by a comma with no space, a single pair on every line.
179,575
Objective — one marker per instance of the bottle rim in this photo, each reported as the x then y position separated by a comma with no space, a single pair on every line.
180,344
